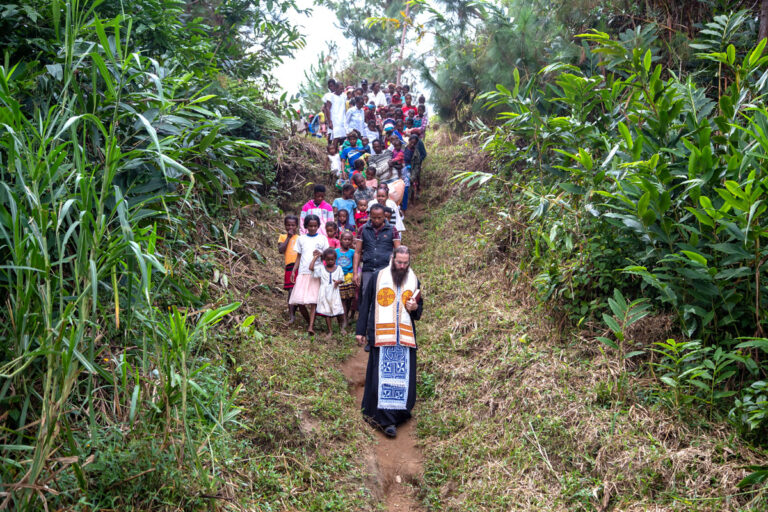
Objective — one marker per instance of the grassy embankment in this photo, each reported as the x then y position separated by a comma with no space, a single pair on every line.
303,442
516,412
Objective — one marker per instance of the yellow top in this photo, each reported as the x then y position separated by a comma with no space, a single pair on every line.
290,252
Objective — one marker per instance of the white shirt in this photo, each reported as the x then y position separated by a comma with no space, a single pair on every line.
356,120
399,225
335,164
379,99
306,246
338,111
371,135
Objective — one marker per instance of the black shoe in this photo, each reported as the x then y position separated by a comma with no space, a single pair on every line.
390,431
367,348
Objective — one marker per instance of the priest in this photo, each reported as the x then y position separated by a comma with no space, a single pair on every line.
394,303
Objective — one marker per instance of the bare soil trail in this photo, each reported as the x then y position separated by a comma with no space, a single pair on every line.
398,464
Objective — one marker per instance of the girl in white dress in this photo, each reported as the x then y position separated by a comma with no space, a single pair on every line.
329,296
308,248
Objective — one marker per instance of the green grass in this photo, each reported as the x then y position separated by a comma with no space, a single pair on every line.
303,441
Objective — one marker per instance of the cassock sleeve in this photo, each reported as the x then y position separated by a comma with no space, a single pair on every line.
366,313
416,315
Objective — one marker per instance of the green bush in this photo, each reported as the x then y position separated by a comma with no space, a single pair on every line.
107,144
638,179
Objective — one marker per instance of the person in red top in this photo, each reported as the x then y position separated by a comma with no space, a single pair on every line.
361,214
398,157
409,106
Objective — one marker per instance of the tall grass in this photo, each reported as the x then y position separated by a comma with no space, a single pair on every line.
83,188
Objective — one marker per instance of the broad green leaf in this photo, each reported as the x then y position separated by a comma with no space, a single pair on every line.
694,256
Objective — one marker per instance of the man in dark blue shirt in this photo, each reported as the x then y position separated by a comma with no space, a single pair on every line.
375,244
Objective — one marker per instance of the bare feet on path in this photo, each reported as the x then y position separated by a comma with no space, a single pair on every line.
398,464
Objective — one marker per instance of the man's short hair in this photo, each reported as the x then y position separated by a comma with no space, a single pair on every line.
331,81
376,206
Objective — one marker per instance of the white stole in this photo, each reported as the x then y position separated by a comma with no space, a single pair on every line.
392,321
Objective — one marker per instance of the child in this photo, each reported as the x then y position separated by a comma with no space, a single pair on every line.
345,259
344,225
370,177
361,215
382,197
330,277
359,167
286,245
317,206
334,160
345,202
388,213
332,231
307,287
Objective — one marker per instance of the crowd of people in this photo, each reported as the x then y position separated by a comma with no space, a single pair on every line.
375,151
346,257
385,128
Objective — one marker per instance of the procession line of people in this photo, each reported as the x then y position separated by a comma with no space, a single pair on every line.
346,257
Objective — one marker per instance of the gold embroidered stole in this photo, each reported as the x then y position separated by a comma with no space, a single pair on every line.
392,321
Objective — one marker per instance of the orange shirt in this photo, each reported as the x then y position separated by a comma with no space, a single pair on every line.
290,252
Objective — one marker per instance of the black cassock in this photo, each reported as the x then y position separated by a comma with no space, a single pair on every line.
366,326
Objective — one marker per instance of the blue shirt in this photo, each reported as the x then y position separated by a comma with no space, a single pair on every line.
351,154
345,259
346,204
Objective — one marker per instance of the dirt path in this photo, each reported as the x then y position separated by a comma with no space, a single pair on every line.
398,462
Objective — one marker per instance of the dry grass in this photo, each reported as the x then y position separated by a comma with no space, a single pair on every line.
300,162
302,437
525,417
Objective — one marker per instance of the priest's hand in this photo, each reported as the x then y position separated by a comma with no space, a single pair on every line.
411,305
360,340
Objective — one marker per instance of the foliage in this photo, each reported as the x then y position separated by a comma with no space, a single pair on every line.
477,43
315,83
112,132
625,314
658,175
376,30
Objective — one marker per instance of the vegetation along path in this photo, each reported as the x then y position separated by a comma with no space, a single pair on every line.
513,411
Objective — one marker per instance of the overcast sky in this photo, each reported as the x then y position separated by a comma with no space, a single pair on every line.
320,28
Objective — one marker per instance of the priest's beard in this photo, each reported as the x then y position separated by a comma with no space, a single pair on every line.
398,275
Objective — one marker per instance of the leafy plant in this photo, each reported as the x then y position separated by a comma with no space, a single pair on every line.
103,143
633,180
625,314
681,370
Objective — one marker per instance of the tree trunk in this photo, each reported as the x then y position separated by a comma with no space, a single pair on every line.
763,33
402,43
